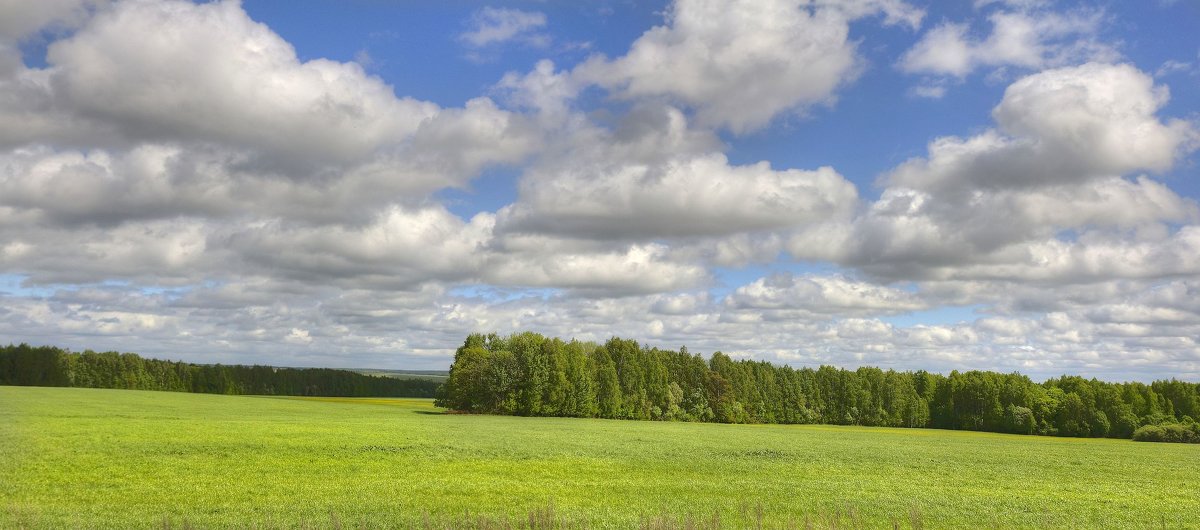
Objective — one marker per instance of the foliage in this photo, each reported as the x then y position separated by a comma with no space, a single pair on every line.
89,458
1168,432
530,375
49,366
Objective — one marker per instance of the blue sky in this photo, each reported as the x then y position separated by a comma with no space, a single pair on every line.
1004,185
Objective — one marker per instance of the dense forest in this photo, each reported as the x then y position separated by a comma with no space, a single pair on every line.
531,375
49,366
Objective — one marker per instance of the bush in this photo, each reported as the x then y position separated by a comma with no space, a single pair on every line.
1124,424
1149,433
1170,432
1020,419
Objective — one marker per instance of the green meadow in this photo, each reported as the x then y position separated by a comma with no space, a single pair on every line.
89,458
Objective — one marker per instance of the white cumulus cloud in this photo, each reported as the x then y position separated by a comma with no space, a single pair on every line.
738,64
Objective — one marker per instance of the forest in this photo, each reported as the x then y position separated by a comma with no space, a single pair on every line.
26,365
528,374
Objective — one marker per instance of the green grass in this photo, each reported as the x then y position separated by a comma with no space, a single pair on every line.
84,458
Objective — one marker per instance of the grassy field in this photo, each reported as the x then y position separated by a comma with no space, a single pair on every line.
84,458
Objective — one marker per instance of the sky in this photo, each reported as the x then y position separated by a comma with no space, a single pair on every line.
1004,185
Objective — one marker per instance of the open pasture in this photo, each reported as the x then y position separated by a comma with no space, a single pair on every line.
91,458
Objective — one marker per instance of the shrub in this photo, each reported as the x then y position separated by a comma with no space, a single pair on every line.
1170,432
1020,419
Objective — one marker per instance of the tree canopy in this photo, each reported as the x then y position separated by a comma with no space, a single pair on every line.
532,375
49,366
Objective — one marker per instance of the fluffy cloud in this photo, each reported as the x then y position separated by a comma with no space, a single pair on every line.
184,71
72,187
1105,113
911,234
813,295
1019,39
174,72
1095,257
399,249
158,109
741,63
591,271
19,19
156,180
691,197
995,203
156,252
30,111
654,177
544,90
492,25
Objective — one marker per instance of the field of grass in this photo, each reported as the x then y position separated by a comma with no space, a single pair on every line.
87,458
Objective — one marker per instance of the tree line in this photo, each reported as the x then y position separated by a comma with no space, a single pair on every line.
50,366
531,375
